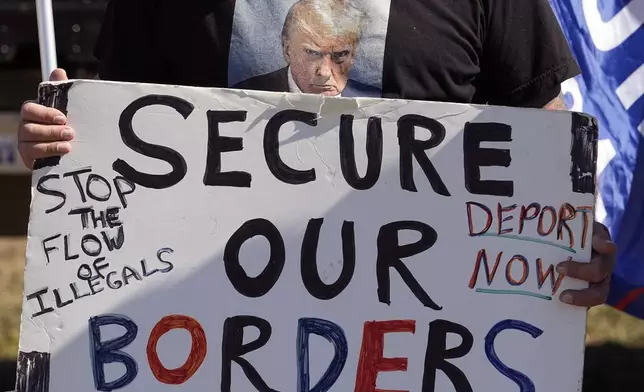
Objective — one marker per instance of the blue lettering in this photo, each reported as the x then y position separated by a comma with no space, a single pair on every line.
109,351
523,381
332,333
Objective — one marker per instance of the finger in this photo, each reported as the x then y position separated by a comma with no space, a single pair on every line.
592,296
600,227
31,151
58,75
32,112
602,242
32,132
595,271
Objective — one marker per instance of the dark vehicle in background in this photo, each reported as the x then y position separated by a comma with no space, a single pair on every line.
77,24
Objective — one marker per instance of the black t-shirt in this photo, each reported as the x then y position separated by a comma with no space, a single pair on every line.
500,52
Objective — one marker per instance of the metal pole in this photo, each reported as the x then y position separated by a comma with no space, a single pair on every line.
46,37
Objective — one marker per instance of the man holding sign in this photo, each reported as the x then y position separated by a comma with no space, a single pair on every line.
497,52
175,196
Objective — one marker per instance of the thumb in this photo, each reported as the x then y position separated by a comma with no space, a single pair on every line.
58,75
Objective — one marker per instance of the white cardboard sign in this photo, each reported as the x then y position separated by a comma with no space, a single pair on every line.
225,240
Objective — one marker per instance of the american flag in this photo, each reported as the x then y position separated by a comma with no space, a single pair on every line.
607,39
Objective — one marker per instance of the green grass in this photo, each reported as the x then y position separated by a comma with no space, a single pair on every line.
608,325
12,262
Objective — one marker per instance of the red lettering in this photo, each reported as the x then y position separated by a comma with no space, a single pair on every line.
482,256
541,278
195,358
585,210
553,215
508,270
502,219
566,212
525,214
371,360
470,219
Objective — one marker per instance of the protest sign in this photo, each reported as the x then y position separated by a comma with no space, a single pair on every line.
213,239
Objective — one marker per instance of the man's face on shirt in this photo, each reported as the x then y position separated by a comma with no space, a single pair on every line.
320,65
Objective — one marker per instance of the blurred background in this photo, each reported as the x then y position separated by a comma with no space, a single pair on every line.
615,340
77,24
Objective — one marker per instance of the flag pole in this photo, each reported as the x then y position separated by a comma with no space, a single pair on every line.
46,37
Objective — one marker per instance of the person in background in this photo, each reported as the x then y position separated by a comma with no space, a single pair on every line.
498,52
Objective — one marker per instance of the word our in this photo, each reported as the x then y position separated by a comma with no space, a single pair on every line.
389,256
